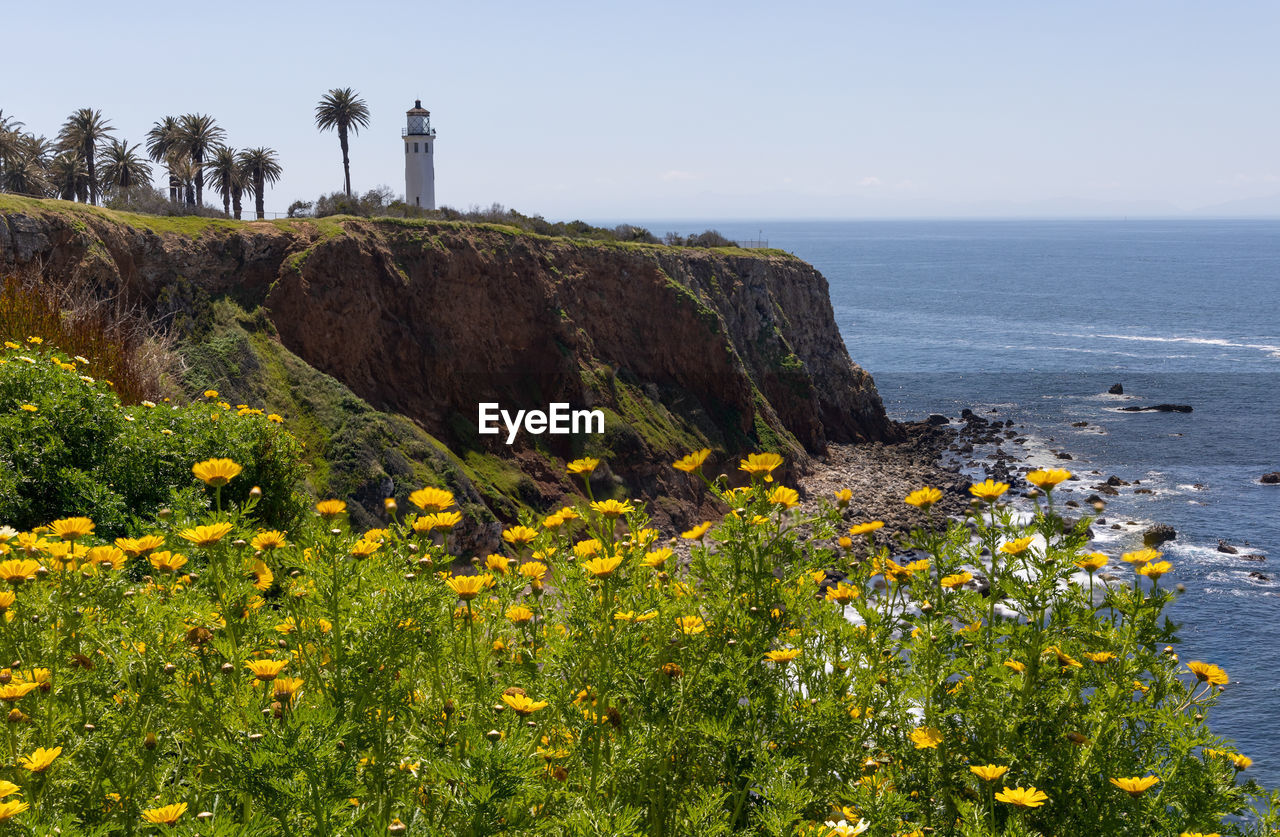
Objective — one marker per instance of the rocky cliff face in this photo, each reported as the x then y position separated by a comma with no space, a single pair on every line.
681,348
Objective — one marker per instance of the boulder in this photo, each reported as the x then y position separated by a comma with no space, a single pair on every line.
1257,576
1253,556
1159,408
1158,534
1272,478
1223,546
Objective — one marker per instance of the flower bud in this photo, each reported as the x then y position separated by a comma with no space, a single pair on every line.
255,492
149,743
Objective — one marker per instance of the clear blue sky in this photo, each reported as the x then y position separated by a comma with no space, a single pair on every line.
703,109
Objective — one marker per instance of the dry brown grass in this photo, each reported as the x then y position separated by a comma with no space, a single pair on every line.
121,342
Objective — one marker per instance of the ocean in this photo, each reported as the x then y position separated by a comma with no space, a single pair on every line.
1036,320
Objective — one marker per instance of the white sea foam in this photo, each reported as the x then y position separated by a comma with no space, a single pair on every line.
1271,349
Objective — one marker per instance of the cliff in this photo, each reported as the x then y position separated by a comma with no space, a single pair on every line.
377,339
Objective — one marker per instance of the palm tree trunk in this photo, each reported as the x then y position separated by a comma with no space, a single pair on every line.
191,193
93,179
198,159
226,201
174,185
346,161
235,202
259,188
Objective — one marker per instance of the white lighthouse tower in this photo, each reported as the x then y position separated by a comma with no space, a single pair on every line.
419,158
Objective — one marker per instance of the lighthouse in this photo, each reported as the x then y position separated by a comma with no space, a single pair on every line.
419,158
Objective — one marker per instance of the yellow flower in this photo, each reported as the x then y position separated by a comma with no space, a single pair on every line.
1240,762
535,571
432,499
1204,672
331,508
206,535
1047,479
275,417
1141,556
691,625
39,761
657,558
10,809
1100,656
523,704
11,692
1135,786
841,594
988,773
583,466
442,520
105,557
168,815
761,465
692,462
926,737
519,536
866,528
166,561
988,490
1154,570
788,498
497,563
1092,562
216,472
30,408
953,581
612,508
1023,797
364,548
602,567
285,689
467,587
269,540
782,656
17,570
587,548
210,393
266,670
1198,834
843,497
7,598
262,576
923,498
70,528
1015,665
1016,547
697,533
519,614
140,546
1064,659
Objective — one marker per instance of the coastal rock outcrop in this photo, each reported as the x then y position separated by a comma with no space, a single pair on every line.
1272,478
1159,408
680,347
1158,534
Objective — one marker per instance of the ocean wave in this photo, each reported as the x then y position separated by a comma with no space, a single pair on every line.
1270,349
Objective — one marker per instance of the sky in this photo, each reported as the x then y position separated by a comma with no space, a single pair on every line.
600,110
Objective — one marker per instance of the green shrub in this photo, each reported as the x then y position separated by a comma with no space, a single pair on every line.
68,445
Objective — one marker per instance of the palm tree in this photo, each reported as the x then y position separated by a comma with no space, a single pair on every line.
162,140
81,133
342,109
184,172
10,137
198,133
25,171
261,166
225,176
68,176
122,166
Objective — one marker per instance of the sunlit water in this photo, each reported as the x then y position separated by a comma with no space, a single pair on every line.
1036,320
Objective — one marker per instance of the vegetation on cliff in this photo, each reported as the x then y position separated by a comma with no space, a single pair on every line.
376,340
219,675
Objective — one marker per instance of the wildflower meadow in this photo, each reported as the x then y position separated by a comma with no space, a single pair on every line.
207,653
